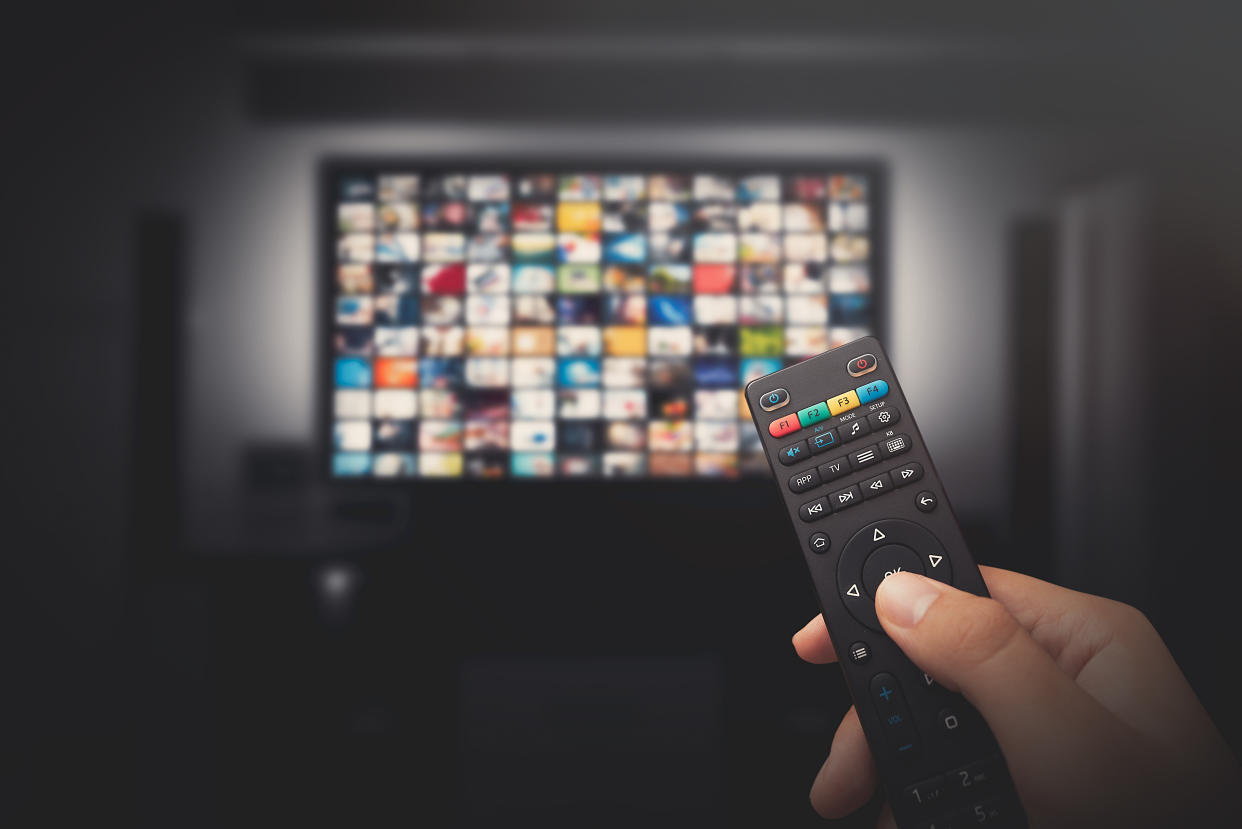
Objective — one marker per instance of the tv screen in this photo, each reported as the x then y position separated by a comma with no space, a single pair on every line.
504,323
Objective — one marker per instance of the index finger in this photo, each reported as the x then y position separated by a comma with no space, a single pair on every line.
812,642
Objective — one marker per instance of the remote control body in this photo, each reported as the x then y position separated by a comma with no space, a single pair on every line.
865,502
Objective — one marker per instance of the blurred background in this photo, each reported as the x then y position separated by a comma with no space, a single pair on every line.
206,627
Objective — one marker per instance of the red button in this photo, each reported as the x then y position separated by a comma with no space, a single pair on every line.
784,426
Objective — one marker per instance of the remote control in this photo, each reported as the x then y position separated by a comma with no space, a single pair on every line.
866,502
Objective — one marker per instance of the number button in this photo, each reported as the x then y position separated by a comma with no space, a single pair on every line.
842,403
975,778
926,793
988,812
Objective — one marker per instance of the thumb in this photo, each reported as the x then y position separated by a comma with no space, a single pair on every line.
970,643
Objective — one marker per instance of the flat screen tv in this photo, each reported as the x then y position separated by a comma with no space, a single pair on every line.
519,322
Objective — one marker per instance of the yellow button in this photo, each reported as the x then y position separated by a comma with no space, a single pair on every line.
843,402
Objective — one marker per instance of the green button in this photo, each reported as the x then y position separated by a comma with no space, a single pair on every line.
814,414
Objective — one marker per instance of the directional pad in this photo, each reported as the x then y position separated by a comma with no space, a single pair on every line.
880,549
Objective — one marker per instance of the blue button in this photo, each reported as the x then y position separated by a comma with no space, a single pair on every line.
872,391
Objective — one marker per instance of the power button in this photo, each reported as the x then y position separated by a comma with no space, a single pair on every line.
860,365
773,399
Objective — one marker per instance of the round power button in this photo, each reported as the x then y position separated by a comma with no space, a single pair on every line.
773,399
861,365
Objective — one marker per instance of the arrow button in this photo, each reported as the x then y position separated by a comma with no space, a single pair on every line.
853,591
877,535
935,560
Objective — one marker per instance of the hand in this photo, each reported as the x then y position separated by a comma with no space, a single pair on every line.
1097,724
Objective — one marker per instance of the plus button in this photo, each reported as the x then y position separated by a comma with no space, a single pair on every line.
885,693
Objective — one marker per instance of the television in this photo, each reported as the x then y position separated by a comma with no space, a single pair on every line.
501,321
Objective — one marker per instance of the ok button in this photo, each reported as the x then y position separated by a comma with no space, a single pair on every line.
889,559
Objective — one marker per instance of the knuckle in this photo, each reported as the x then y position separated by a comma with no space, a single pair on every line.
1128,621
982,631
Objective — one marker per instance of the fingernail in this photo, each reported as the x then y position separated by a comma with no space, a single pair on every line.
903,598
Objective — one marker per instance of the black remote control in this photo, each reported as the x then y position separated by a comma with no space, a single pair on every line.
865,501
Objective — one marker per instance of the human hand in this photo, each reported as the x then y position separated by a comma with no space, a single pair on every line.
1098,725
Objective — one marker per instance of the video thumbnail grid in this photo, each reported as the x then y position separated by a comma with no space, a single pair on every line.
519,325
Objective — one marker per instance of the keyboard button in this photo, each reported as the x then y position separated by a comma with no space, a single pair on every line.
854,430
872,391
907,473
843,498
813,414
864,457
860,365
833,469
895,445
884,418
926,794
878,485
814,510
842,403
793,453
805,480
822,441
782,427
774,399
